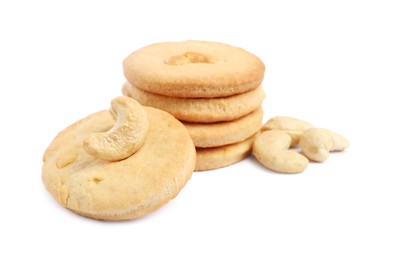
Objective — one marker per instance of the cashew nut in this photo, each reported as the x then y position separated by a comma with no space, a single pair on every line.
292,126
271,149
125,137
316,143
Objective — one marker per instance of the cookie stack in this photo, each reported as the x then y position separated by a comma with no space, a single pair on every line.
214,89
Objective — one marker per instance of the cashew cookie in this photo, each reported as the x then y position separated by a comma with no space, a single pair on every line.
107,188
200,110
193,69
224,133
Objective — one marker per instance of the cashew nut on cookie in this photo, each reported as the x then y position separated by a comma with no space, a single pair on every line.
125,137
271,149
292,126
317,143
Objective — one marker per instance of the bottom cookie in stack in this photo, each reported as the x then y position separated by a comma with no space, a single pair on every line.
221,156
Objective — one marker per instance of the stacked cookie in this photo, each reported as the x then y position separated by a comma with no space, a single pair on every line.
214,89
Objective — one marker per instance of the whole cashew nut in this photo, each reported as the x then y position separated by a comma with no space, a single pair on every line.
292,126
317,143
125,137
271,149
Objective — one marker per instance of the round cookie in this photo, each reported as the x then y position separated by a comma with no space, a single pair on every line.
218,157
193,69
223,133
125,189
200,110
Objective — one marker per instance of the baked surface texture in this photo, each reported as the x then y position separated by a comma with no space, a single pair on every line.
201,110
193,69
125,189
223,133
221,156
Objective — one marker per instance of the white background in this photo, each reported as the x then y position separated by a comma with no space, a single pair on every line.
328,62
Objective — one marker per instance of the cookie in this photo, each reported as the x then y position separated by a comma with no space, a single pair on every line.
221,156
201,110
123,189
223,133
193,69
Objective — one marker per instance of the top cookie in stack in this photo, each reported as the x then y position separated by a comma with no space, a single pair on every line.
213,88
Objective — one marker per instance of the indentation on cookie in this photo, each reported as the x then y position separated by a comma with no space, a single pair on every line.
96,180
66,158
187,58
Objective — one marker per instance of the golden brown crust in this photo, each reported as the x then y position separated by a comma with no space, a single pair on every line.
193,69
221,156
223,133
125,189
200,110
